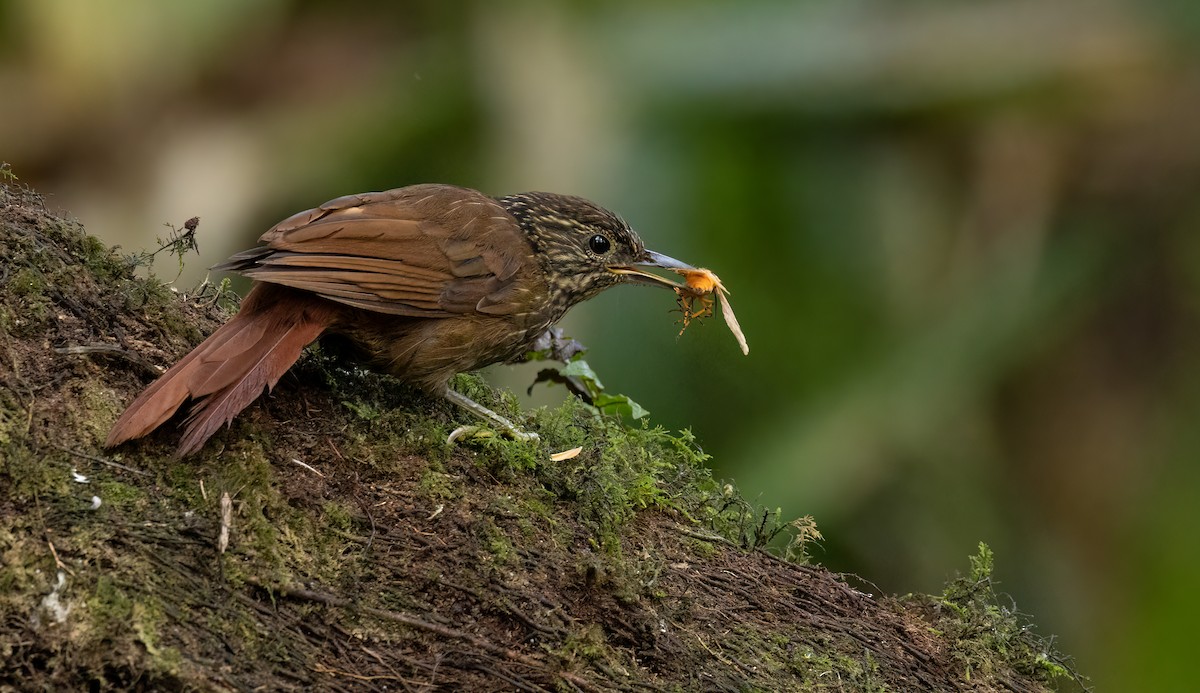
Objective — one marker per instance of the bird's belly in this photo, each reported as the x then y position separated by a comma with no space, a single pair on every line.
428,352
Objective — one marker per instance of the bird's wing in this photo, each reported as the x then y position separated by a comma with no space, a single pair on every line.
421,251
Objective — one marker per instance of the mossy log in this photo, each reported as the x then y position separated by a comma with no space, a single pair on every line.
332,540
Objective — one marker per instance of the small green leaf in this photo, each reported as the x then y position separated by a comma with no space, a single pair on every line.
619,405
580,369
578,377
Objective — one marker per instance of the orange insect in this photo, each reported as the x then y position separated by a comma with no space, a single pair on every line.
698,288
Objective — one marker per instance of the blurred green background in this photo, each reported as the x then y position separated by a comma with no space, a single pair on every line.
963,238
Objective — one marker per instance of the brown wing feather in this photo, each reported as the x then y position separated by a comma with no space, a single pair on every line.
421,251
229,369
163,398
239,381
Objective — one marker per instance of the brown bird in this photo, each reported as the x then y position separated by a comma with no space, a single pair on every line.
423,282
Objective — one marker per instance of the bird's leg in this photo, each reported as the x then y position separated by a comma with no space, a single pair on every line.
488,415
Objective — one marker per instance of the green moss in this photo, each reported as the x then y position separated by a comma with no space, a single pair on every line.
173,322
362,410
701,548
987,636
10,424
861,674
146,618
474,386
437,485
259,534
32,307
27,283
621,471
101,262
32,476
825,664
586,643
337,516
534,511
499,547
116,494
95,409
181,482
21,570
109,608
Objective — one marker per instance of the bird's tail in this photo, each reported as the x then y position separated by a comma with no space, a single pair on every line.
230,369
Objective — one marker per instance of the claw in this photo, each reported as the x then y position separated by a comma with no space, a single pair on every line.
506,427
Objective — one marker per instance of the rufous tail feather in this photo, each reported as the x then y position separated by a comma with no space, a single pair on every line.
230,369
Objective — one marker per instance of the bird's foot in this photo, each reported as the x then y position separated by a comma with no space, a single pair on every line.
479,432
503,425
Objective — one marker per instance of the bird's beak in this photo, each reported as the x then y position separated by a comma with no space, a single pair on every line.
631,273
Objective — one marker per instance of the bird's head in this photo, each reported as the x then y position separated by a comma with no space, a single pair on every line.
584,248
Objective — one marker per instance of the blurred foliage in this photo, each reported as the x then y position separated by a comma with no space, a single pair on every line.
962,237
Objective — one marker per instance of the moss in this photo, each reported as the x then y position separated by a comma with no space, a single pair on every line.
988,636
28,284
10,422
474,386
536,512
626,470
174,323
362,410
95,410
438,485
109,609
116,494
861,673
101,262
587,644
336,516
500,550
32,476
260,534
147,618
32,308
181,482
21,570
701,548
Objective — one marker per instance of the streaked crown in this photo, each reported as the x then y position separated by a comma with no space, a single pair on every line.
575,241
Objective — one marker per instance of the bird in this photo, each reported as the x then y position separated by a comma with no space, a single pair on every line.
421,282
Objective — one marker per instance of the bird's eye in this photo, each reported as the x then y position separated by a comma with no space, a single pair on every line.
599,244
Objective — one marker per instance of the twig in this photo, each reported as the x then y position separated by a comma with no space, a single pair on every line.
322,669
414,622
308,467
226,522
101,460
114,350
57,561
706,536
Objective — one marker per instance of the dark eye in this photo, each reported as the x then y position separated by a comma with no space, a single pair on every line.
599,244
